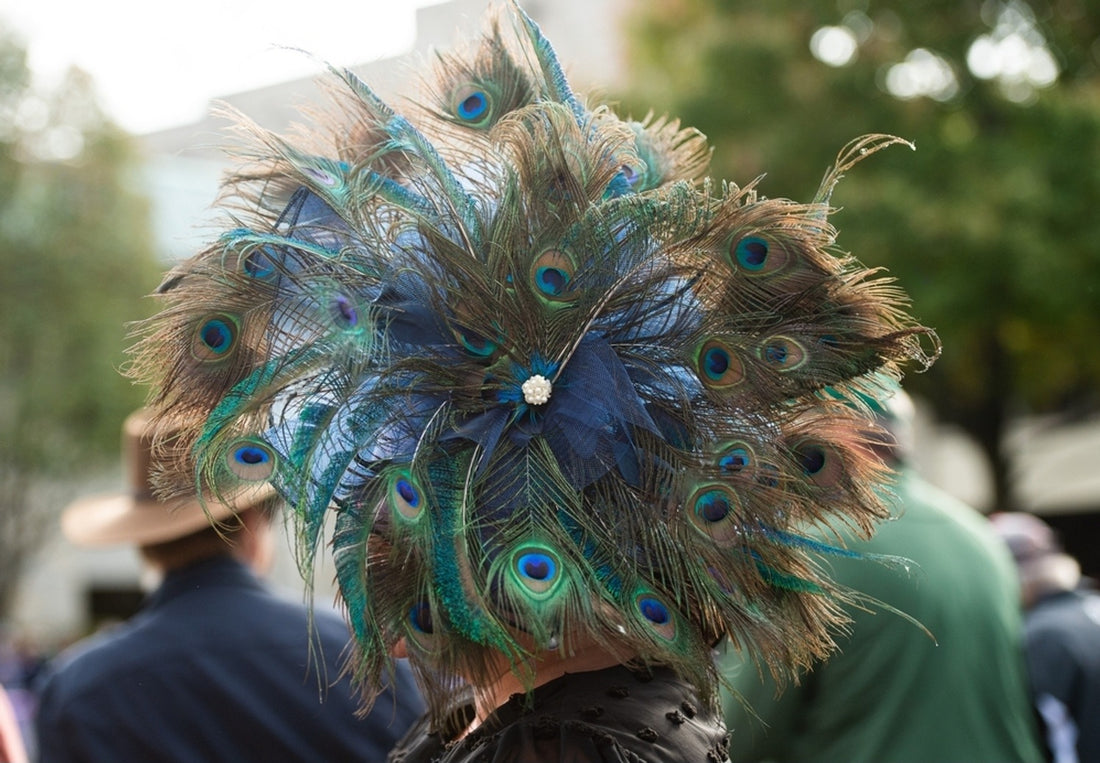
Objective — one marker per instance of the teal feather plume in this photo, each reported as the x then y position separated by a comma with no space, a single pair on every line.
554,386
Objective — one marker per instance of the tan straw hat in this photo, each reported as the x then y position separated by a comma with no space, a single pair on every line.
136,516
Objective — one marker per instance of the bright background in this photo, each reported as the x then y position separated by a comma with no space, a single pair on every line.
142,54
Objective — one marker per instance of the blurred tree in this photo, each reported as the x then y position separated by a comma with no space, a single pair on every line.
76,256
990,225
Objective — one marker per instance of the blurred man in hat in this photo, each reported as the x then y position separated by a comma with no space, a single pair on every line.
215,667
1062,626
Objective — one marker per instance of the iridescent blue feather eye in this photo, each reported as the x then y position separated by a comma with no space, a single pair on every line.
716,361
251,460
476,345
259,264
344,313
752,253
405,496
713,506
473,106
734,459
551,281
757,255
537,569
653,610
552,273
713,511
782,353
717,366
216,336
657,615
420,617
537,566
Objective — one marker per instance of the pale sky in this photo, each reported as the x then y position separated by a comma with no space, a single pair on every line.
157,64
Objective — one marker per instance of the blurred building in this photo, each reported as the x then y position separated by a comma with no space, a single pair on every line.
186,162
1055,475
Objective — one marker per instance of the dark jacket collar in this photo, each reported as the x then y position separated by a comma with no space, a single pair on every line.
219,571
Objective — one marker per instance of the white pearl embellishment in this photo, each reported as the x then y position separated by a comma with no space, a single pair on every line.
536,390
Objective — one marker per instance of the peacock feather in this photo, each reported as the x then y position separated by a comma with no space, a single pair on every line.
552,383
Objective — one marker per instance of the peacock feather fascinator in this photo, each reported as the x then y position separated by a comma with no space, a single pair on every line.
531,376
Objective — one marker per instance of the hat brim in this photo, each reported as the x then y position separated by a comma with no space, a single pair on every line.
122,519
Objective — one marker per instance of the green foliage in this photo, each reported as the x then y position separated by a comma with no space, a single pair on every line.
76,258
990,225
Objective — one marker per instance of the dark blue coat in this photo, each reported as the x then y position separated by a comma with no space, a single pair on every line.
216,668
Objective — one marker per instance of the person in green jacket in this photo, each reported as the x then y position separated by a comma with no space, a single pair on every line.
894,691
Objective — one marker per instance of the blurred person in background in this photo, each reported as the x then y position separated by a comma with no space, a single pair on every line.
892,691
21,661
12,749
215,667
1062,627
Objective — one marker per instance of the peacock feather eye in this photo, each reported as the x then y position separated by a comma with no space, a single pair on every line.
717,366
482,343
735,458
757,255
713,509
419,626
251,459
474,344
244,255
404,496
420,617
473,106
344,313
538,569
712,506
215,337
654,611
656,615
552,272
782,353
258,264
821,463
812,458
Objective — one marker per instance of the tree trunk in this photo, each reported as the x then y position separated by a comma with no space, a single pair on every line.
988,422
